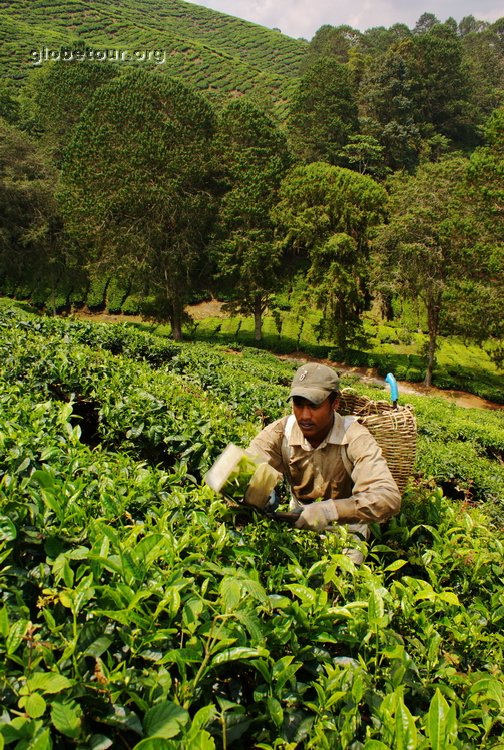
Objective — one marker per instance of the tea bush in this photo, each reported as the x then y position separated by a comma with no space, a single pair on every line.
139,610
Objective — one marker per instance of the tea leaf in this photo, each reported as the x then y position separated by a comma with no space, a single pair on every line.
396,565
34,705
165,720
238,653
230,590
405,730
17,632
48,682
7,530
436,721
66,718
4,622
275,711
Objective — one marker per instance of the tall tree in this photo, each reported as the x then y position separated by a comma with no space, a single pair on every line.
417,91
429,247
483,58
30,226
388,104
425,23
323,112
485,189
54,98
326,213
332,41
134,185
442,98
253,158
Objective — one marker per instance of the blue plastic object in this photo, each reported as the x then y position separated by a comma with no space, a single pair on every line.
394,391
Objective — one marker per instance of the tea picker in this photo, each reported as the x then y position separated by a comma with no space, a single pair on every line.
348,475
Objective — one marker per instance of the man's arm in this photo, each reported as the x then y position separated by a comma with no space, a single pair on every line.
375,496
268,444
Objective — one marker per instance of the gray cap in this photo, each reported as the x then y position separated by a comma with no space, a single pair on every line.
315,382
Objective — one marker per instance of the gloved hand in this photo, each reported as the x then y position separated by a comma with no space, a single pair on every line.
317,516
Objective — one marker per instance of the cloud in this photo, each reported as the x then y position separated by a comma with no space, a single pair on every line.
297,18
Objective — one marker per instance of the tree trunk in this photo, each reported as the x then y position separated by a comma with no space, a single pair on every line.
176,322
387,310
258,317
433,310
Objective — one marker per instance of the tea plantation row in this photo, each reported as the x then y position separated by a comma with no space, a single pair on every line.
139,611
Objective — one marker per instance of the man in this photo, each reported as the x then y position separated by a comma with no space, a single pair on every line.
328,458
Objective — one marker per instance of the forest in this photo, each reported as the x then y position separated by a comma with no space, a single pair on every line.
377,184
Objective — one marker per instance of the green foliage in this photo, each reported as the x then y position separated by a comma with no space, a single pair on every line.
323,112
429,246
147,204
326,212
137,608
253,157
55,97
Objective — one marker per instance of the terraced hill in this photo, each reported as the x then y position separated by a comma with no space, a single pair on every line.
215,52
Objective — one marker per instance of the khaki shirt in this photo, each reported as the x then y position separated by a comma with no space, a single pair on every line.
364,489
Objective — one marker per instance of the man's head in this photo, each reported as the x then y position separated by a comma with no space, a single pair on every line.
314,393
314,382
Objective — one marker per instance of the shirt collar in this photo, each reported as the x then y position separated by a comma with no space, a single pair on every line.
336,436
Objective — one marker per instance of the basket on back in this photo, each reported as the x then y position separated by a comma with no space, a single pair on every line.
393,429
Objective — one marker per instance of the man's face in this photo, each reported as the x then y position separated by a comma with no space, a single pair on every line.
314,421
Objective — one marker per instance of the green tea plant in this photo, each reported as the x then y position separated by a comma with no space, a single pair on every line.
138,610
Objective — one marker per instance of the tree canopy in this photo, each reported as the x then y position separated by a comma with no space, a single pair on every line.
326,212
430,246
135,185
253,158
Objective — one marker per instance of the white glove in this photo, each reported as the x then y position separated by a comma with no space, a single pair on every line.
317,516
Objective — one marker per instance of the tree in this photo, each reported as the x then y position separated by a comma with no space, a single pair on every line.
326,212
425,23
416,91
135,185
9,101
484,66
365,154
429,247
54,98
332,41
29,221
442,90
253,158
470,25
388,102
323,112
485,189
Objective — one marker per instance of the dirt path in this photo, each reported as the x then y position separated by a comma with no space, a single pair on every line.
370,376
365,374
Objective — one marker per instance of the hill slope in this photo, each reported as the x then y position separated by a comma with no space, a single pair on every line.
213,51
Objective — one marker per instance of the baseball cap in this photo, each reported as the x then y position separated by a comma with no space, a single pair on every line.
315,382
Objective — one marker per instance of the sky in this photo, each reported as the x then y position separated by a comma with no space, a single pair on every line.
302,18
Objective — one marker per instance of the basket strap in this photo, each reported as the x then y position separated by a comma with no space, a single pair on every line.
344,453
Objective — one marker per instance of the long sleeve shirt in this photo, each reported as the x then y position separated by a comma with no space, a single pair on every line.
347,466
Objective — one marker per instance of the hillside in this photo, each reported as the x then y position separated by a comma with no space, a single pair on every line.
213,51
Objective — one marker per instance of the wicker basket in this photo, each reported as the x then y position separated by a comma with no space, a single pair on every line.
393,429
